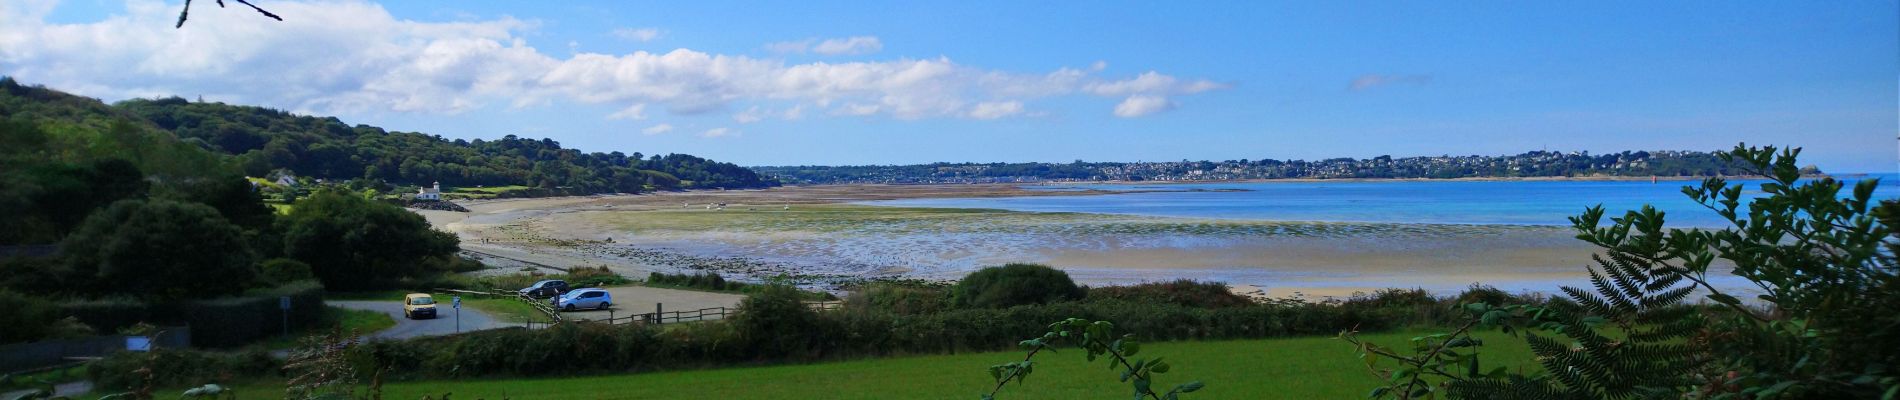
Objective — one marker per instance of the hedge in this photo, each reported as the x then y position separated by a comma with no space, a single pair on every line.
223,322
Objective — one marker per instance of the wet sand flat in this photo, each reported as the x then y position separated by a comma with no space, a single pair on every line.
814,231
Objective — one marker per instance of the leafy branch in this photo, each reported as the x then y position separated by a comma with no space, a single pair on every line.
182,14
1097,339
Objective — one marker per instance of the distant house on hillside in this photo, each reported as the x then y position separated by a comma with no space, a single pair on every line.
287,180
433,193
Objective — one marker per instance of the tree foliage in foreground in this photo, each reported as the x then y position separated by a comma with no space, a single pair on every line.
1824,325
1097,340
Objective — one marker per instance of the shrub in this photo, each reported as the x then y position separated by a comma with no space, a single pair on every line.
26,319
111,314
173,368
1481,293
714,282
898,299
594,277
160,250
354,244
278,271
1185,292
235,321
776,323
1014,284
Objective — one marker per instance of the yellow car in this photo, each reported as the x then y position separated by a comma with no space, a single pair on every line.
418,306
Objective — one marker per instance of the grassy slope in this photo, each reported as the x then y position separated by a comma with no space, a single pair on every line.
1296,368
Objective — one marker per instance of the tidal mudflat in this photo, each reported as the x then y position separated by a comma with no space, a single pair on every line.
832,239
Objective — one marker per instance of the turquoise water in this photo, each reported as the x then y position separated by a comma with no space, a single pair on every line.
1437,202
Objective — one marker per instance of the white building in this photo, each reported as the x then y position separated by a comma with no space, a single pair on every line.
430,193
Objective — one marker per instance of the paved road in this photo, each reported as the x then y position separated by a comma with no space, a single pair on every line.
641,299
68,389
472,320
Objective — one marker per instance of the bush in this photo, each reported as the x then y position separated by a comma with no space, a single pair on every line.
111,314
236,321
1184,292
898,299
776,323
354,244
1014,284
594,277
774,326
713,282
26,319
174,368
160,250
278,271
704,281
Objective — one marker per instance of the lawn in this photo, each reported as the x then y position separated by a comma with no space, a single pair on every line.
508,310
1294,368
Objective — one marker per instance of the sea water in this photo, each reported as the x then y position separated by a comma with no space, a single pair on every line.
1506,202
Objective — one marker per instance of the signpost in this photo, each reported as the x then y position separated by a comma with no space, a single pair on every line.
457,303
283,303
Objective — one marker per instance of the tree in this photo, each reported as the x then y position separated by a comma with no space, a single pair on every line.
160,250
1824,326
352,243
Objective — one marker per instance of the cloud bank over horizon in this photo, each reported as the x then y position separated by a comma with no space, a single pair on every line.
331,57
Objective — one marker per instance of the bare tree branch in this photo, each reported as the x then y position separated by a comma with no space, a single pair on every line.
183,14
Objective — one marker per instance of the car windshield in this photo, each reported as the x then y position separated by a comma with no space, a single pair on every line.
421,301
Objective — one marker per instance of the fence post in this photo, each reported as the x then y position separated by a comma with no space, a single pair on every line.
659,313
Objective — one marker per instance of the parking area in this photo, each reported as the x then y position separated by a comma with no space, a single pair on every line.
641,299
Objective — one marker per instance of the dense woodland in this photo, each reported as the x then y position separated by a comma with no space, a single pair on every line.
141,212
265,140
1530,164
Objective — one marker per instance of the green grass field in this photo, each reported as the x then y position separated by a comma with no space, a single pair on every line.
1294,368
481,192
507,310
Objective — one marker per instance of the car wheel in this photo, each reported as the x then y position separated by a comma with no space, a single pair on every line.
603,306
570,307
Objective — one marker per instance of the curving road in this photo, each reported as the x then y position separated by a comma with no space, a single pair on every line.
472,319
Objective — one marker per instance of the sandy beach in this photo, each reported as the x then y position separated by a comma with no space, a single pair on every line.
815,236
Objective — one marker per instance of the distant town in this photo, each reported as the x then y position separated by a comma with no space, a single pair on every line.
1530,164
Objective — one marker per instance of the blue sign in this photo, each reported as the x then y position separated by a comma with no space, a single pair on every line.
458,301
283,303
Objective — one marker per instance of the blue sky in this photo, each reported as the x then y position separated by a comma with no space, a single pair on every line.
897,82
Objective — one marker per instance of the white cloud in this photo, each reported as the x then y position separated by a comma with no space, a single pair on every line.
994,110
1141,105
830,47
657,129
791,47
344,56
850,45
637,34
638,111
718,132
750,115
1369,81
